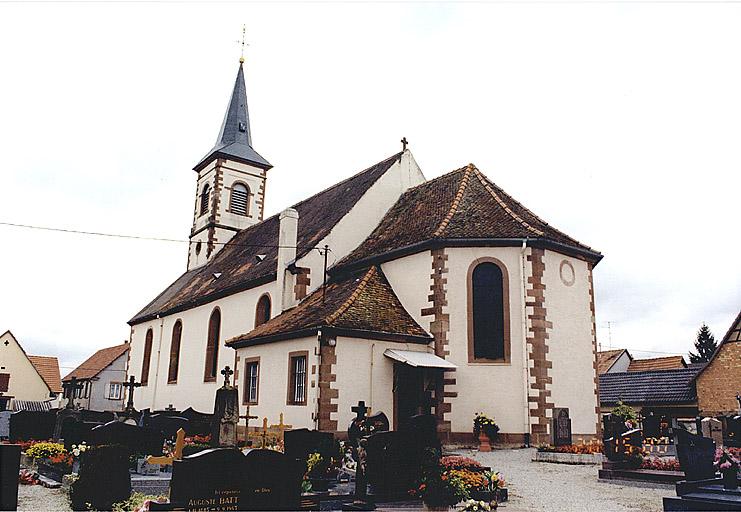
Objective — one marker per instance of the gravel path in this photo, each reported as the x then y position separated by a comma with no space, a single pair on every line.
541,486
37,498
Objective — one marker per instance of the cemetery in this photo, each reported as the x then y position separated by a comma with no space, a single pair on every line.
191,460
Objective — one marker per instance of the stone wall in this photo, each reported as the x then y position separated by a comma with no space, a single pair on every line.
718,384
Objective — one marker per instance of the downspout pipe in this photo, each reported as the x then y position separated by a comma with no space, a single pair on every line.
523,322
157,366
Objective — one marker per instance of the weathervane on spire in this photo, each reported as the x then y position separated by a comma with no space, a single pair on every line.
241,57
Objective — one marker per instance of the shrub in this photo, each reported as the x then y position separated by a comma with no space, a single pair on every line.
45,450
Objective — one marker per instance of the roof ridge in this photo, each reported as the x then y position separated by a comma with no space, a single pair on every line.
488,186
352,298
456,200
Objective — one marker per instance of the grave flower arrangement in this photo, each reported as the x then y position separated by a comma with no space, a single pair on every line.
660,464
45,450
584,448
477,506
459,462
440,487
483,424
62,462
728,465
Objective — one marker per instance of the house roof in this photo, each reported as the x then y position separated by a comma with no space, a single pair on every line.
237,261
98,362
462,207
48,368
650,387
235,137
607,358
362,305
657,363
733,335
18,343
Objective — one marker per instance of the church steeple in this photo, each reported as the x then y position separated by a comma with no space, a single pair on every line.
235,140
230,190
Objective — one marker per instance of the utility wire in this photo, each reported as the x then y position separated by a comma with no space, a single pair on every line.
139,237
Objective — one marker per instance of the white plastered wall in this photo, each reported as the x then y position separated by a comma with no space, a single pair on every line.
237,317
25,382
570,346
98,397
273,382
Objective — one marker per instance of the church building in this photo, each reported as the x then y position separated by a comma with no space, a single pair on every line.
444,296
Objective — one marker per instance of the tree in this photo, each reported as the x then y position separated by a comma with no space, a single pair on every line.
705,345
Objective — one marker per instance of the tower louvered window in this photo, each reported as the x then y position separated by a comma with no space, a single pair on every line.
239,203
205,195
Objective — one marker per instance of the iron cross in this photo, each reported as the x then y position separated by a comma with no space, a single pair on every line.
226,372
131,385
404,143
360,410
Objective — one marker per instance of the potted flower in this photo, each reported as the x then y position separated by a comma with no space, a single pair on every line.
478,506
728,466
485,429
51,459
77,451
320,472
439,488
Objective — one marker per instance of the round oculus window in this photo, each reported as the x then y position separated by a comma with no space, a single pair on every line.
566,270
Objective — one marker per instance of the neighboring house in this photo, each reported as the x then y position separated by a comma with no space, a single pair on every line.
101,379
444,296
620,360
719,382
25,378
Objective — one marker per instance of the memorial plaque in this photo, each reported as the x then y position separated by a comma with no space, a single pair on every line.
696,455
561,427
225,479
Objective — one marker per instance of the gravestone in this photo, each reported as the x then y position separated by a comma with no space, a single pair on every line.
712,428
696,455
25,425
167,425
302,442
5,424
617,448
10,460
612,426
732,433
199,423
225,479
103,478
136,439
226,413
561,427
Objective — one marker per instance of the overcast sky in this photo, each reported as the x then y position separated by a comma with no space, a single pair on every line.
618,123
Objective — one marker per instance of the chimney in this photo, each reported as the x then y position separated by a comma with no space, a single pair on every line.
287,239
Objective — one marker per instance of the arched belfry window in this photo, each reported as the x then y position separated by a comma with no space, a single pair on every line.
144,379
177,334
205,195
488,312
262,312
239,204
212,347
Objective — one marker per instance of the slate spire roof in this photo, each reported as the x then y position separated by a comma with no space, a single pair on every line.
235,138
362,305
462,207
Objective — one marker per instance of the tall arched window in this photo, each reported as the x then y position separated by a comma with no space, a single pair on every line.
488,308
172,371
144,379
205,195
262,312
239,204
212,347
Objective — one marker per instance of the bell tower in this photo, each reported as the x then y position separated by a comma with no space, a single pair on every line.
230,189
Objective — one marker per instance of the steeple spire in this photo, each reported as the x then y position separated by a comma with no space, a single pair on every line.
235,141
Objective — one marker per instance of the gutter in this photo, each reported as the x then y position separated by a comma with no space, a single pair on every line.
330,331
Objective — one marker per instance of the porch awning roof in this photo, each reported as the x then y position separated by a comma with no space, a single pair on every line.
419,359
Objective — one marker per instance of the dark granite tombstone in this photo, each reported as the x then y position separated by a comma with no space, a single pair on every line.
10,459
225,479
561,427
302,442
199,423
650,423
167,425
696,455
617,447
732,432
103,478
25,425
612,426
136,439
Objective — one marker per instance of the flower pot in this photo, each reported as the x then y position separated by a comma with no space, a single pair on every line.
730,479
484,444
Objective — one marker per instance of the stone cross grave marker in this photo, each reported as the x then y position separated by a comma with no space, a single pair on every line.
281,428
713,429
561,427
226,413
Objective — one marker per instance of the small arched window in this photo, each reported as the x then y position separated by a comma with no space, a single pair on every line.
144,379
262,312
177,334
212,347
205,195
239,203
488,323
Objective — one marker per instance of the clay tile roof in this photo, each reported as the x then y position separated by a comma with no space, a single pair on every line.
237,262
607,358
96,363
463,205
654,387
48,368
362,305
657,363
